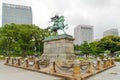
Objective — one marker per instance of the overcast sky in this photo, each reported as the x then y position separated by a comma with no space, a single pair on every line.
102,14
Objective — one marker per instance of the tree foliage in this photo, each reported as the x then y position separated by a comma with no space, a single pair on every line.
85,48
111,43
21,38
95,49
76,47
108,43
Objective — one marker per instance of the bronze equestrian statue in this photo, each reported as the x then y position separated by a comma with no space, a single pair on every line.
58,24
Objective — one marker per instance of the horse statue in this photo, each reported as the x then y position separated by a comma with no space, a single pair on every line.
58,24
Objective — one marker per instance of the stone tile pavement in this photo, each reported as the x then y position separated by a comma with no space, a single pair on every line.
12,73
110,74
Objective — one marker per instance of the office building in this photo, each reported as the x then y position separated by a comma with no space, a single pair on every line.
112,31
83,33
18,14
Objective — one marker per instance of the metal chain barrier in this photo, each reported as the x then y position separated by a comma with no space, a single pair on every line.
31,62
95,65
64,67
84,65
44,63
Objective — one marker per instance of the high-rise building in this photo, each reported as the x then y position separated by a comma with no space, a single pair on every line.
112,31
83,33
18,14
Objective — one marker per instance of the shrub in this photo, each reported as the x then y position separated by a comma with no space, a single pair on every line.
101,56
117,59
2,57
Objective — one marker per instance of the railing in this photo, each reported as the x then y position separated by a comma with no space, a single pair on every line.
77,70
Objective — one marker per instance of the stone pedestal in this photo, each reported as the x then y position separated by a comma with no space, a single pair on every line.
59,47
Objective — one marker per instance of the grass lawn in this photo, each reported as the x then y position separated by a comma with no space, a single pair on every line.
80,58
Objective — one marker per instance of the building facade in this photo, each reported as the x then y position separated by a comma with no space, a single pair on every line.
112,31
83,33
18,14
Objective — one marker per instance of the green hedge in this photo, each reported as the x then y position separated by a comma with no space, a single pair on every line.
117,59
101,56
2,57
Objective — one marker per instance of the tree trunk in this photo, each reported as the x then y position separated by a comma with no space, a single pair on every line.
86,56
112,53
23,53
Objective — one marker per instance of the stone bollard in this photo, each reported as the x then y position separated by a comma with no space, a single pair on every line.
36,65
104,63
76,71
26,63
113,61
52,66
18,62
99,65
7,60
12,60
90,69
109,62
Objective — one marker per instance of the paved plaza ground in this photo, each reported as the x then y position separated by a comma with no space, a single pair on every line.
12,73
111,74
